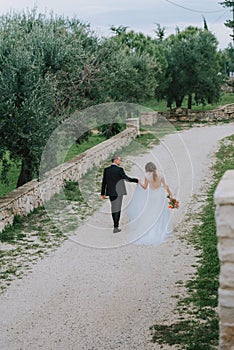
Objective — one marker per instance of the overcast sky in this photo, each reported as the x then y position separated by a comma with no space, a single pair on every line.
138,15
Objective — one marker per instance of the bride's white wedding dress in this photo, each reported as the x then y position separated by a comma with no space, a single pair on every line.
149,215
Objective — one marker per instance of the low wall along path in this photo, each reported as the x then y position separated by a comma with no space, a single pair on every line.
33,194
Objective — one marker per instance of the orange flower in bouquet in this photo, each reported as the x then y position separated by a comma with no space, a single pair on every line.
173,203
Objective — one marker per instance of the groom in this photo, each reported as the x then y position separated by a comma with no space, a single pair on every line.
113,186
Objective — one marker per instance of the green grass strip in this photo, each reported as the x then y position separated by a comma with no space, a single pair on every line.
75,149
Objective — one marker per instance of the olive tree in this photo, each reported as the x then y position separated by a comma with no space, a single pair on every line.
46,65
141,66
193,67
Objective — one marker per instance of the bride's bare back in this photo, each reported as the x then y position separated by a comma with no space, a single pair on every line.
155,183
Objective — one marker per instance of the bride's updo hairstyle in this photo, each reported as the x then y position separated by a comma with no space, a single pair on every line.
151,168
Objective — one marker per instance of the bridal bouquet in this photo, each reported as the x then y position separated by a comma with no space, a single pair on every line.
173,203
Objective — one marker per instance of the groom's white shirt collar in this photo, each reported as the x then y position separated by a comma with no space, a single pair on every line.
114,164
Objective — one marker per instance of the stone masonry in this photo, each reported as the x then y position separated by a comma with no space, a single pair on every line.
224,200
35,193
224,113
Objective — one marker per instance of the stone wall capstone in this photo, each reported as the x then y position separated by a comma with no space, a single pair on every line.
224,200
33,194
133,122
149,118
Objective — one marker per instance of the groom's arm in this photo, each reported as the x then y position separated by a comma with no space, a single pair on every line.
127,178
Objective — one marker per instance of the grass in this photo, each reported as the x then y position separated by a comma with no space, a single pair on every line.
143,141
71,192
9,235
76,149
148,138
33,236
92,141
140,145
197,328
226,98
12,178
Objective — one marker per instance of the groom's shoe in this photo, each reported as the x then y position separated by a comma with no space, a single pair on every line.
116,230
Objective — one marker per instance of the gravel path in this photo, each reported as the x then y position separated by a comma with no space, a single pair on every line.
97,291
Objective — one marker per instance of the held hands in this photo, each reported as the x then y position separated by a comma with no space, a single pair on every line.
103,197
141,184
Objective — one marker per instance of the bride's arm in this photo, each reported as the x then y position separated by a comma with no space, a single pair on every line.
165,185
145,184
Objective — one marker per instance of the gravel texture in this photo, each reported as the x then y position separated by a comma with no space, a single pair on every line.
97,291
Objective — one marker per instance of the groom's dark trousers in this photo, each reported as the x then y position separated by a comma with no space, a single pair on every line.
113,186
116,204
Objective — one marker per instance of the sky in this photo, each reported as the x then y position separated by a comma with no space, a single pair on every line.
138,15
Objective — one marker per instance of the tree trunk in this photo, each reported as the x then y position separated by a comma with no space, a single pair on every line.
189,101
169,103
26,172
178,101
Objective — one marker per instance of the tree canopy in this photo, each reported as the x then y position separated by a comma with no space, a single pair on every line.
39,82
193,68
53,66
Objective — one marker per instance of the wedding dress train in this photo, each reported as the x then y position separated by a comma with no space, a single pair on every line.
149,216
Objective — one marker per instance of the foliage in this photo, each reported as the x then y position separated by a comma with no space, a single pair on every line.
53,67
111,129
193,67
12,232
38,81
229,23
72,191
76,148
84,137
161,106
160,32
9,179
228,59
143,62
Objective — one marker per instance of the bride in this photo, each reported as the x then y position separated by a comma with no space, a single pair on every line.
148,212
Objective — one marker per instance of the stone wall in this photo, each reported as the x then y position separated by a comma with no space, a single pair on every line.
183,114
224,200
149,118
34,193
229,85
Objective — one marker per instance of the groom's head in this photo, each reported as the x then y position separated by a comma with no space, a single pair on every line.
116,160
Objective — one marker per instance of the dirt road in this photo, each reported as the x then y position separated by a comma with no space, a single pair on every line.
97,291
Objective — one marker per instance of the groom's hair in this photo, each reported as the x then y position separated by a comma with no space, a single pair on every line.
114,158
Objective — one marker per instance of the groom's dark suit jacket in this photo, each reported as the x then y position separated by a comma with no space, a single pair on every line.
113,181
